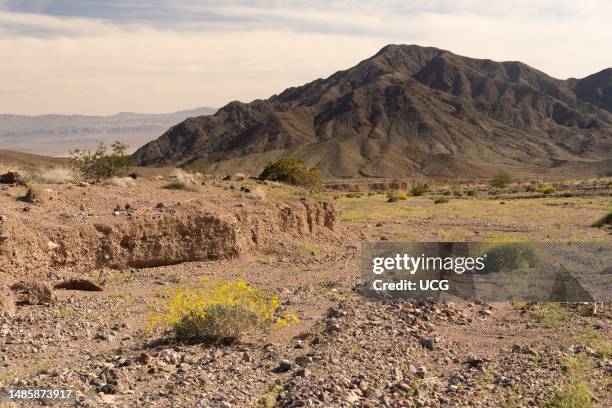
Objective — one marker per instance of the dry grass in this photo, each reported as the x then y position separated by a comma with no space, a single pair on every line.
257,194
58,175
183,181
121,182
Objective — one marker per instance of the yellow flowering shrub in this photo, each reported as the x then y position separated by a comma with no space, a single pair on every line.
219,312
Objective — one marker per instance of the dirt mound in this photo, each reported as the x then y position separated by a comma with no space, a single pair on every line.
181,233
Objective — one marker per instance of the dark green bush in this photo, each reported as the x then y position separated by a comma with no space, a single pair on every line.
419,189
510,257
291,170
101,164
501,180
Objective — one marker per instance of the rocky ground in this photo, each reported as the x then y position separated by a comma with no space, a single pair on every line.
345,351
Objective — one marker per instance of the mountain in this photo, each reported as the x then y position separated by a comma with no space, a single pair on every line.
57,134
408,111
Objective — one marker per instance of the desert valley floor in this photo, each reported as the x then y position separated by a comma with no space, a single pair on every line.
137,240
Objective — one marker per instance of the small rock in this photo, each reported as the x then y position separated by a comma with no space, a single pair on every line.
283,366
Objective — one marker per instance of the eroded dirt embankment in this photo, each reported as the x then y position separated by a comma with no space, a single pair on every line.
188,231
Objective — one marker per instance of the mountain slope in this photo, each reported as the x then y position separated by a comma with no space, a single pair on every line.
57,134
406,111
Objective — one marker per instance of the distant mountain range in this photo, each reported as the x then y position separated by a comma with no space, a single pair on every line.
58,134
410,111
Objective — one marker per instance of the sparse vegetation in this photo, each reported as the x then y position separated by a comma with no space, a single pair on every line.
182,181
441,200
510,257
551,314
291,170
220,313
471,193
58,175
101,164
548,189
121,182
576,393
418,189
501,180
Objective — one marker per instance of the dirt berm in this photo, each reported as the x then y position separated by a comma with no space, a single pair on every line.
187,231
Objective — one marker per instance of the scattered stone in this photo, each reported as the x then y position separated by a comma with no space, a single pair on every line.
35,293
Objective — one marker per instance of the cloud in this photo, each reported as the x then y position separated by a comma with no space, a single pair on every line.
160,55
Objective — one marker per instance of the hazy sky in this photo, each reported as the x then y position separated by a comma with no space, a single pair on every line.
101,57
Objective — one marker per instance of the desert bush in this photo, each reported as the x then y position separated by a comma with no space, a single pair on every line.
576,392
220,313
58,175
101,164
394,196
197,168
291,170
550,313
548,189
471,193
510,257
605,220
441,200
458,193
419,189
501,180
182,181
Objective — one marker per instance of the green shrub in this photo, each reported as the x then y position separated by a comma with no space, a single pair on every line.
551,314
394,196
501,180
548,189
576,392
441,200
197,167
577,395
291,170
511,256
101,164
605,220
419,189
